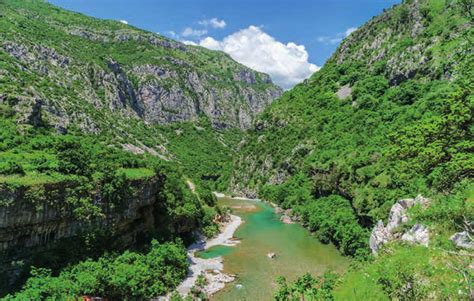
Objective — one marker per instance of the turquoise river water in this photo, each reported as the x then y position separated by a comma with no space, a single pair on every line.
262,232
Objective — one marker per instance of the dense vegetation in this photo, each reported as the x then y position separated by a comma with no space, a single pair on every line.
388,117
129,276
306,287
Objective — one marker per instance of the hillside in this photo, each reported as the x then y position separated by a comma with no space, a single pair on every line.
388,117
101,127
77,69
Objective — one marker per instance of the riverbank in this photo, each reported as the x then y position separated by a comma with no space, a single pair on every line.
212,268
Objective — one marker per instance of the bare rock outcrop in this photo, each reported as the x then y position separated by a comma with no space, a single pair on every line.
418,234
344,92
463,240
382,234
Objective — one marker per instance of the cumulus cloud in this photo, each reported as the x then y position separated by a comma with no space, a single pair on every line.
337,38
123,21
214,23
187,42
211,43
287,64
191,32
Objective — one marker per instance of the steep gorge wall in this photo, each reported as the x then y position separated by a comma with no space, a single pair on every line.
82,68
40,226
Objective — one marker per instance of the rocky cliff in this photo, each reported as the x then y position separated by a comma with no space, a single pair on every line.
74,70
44,226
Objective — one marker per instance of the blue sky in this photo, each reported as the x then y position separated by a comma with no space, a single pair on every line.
267,35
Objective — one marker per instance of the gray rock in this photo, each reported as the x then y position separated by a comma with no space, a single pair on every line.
278,210
379,236
463,240
398,216
286,219
344,92
398,212
418,234
154,92
245,76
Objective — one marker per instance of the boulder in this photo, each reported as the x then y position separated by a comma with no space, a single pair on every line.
398,212
379,236
463,240
399,215
344,92
286,219
278,210
216,281
418,234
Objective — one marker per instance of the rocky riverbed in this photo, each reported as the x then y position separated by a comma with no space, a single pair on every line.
210,268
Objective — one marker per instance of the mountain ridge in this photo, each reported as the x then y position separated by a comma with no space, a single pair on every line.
137,73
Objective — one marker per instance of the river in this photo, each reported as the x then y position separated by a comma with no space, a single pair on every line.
297,252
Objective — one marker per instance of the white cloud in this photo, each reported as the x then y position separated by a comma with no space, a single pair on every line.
214,23
191,32
286,64
350,30
337,38
211,43
187,42
123,21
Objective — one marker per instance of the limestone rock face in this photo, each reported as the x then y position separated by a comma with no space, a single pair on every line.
29,228
157,93
381,234
398,214
463,240
344,92
124,72
418,234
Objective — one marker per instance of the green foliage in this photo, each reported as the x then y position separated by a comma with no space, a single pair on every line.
296,191
405,273
209,226
73,157
87,179
307,287
396,136
11,168
197,291
129,276
448,213
333,220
